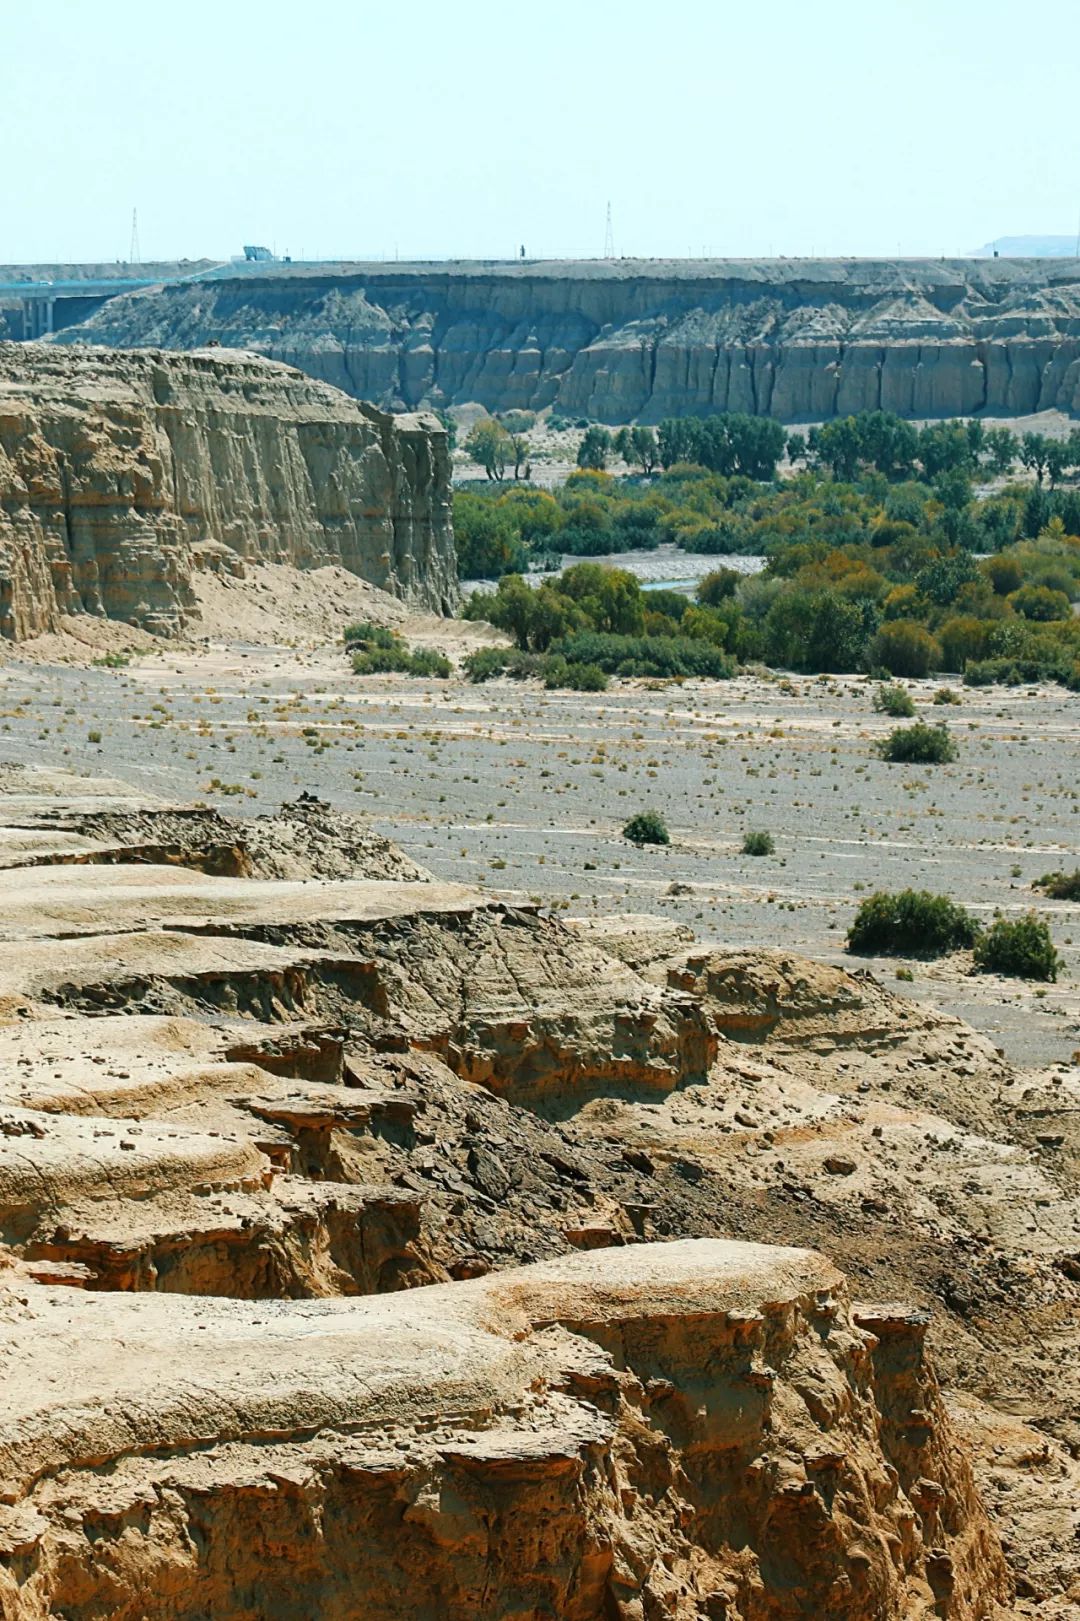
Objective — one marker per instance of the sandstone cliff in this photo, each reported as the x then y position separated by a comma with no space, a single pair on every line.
614,340
682,1431
250,1068
121,474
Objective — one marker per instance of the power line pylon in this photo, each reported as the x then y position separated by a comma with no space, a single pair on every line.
133,255
609,237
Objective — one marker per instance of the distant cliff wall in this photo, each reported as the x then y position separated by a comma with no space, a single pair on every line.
118,472
626,339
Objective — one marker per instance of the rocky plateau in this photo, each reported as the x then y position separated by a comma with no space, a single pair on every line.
370,1244
622,339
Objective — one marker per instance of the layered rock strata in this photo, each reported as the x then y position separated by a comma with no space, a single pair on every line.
239,1092
692,1429
800,339
120,475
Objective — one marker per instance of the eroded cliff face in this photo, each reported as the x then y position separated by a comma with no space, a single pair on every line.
254,1070
616,340
690,1430
121,474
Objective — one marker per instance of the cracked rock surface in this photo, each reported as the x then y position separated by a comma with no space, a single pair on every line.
371,1246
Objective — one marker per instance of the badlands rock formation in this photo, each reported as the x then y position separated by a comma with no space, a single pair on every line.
120,475
251,1072
800,339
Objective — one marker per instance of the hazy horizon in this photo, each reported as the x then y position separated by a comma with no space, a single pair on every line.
791,133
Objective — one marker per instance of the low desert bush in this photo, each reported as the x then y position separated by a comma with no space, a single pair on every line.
911,923
1060,886
365,634
918,745
486,663
947,695
647,827
893,698
1020,947
758,844
378,651
647,655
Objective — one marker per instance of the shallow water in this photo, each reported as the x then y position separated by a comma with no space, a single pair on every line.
665,569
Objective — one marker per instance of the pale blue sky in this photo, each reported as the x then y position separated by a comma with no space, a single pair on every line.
434,129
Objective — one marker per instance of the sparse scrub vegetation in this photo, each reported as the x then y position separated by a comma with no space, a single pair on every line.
378,651
1018,947
910,923
1060,886
892,698
758,844
918,745
870,545
647,827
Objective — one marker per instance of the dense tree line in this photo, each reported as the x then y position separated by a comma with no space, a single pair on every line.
872,545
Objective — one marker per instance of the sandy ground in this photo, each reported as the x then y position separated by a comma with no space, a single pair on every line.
272,605
526,791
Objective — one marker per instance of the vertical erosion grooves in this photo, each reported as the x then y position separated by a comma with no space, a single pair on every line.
800,339
116,470
699,1430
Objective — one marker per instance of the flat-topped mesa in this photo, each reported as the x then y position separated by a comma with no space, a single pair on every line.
120,474
615,340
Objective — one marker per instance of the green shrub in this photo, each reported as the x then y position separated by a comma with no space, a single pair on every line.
991,672
758,844
552,668
398,660
719,586
905,648
670,603
911,923
1060,886
380,661
647,827
518,421
964,638
586,678
485,663
647,655
918,745
426,661
894,699
113,661
946,695
1040,603
365,634
1020,947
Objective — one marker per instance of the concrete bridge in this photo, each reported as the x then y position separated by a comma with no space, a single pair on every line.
48,305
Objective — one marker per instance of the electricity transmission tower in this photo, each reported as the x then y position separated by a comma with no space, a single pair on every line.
133,255
609,237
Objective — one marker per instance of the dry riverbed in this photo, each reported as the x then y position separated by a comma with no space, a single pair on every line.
526,791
